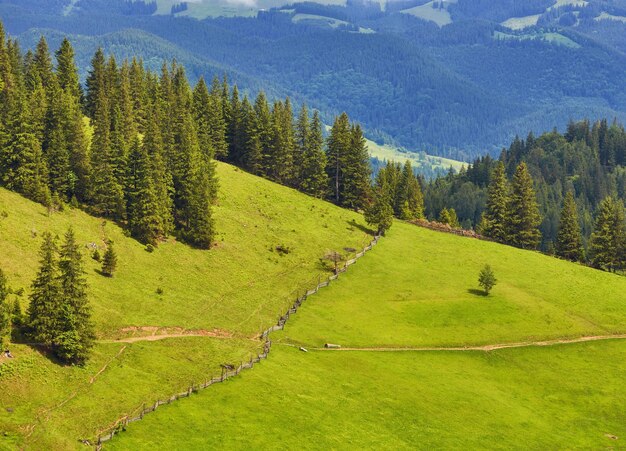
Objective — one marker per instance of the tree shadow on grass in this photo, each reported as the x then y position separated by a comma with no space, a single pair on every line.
476,292
352,223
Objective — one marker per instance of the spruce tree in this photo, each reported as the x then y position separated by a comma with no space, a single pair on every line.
144,221
338,147
109,260
75,335
608,242
95,83
494,219
313,176
357,171
409,201
569,241
523,219
379,213
45,296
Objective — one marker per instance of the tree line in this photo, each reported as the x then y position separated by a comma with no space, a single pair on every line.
560,193
139,147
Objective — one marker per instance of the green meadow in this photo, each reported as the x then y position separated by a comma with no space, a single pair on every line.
418,288
230,294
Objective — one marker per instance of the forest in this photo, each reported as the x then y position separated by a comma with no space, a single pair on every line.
454,91
587,161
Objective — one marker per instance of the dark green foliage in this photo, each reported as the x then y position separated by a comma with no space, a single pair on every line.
569,243
608,240
380,213
46,296
449,216
523,219
313,178
109,260
348,164
493,222
75,335
487,279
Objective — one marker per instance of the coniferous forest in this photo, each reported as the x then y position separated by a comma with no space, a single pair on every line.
139,147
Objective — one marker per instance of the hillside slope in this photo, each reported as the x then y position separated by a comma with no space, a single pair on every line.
226,296
418,289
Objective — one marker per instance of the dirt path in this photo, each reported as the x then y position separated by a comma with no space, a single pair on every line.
485,348
160,337
155,333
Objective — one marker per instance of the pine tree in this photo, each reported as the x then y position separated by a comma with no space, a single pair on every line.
494,219
75,336
409,202
109,260
380,213
144,221
95,83
107,196
67,74
523,217
569,241
313,176
338,147
198,229
45,296
201,115
357,171
449,216
608,242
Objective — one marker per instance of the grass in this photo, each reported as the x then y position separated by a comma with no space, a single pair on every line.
239,288
518,23
551,398
419,160
555,38
419,288
426,12
201,9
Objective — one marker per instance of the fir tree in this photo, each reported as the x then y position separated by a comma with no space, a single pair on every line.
143,203
409,202
569,241
608,238
75,335
313,176
45,296
494,219
109,260
95,83
380,213
523,217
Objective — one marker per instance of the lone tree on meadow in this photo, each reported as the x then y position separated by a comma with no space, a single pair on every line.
109,261
487,279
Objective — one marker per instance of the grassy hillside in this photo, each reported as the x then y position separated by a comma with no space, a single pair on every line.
228,295
419,160
418,288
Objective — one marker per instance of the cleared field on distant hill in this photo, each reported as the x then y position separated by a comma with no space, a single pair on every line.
229,294
419,288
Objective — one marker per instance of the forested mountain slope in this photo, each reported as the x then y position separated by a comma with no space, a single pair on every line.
460,90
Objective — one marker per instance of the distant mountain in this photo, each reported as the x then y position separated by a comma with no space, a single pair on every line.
454,79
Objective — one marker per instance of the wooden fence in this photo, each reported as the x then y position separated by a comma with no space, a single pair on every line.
138,413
